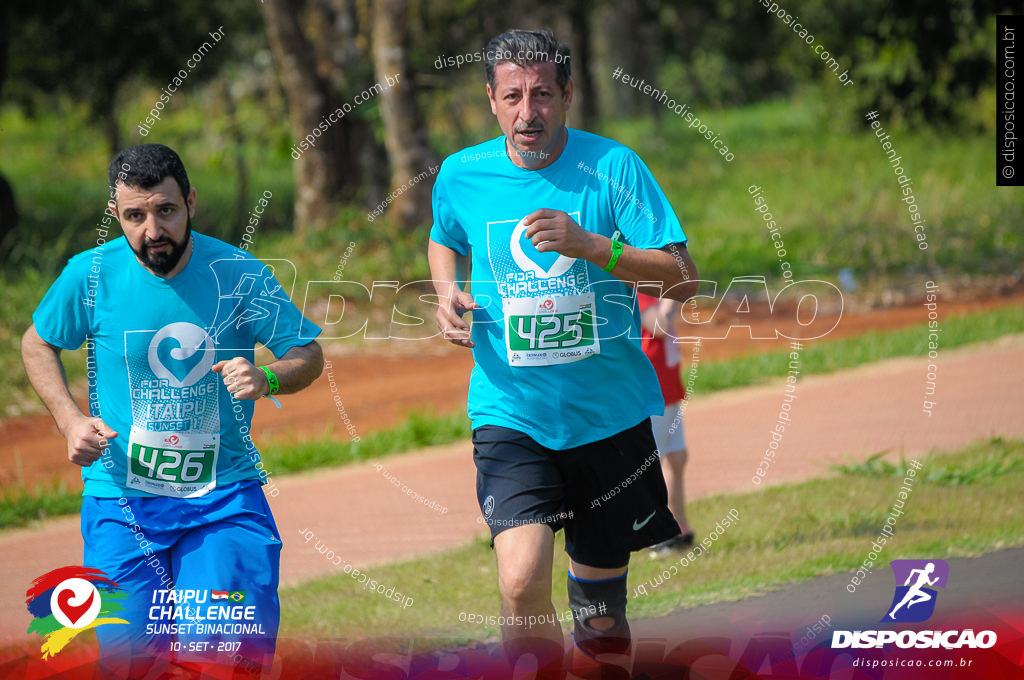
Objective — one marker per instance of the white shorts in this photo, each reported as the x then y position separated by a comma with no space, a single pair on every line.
668,430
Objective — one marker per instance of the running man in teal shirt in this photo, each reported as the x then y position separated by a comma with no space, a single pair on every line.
172,498
553,227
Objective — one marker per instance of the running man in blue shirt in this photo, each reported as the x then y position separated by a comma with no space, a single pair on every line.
173,508
557,225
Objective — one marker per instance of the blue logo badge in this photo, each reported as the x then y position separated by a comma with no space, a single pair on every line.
914,600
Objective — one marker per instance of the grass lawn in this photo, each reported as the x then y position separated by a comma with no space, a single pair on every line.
784,534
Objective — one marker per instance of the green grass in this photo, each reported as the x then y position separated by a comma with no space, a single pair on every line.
990,468
826,356
20,505
785,534
417,431
831,191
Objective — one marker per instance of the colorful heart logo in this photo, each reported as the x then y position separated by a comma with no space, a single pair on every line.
75,603
73,612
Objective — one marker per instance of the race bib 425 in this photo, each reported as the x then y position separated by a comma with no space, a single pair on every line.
547,330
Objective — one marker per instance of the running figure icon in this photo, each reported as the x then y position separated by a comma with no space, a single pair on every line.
916,595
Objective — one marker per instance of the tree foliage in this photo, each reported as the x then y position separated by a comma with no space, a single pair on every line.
88,52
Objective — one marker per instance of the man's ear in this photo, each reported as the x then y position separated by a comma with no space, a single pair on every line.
191,202
490,98
112,209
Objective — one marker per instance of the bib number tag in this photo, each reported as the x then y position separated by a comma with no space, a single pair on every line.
175,464
542,331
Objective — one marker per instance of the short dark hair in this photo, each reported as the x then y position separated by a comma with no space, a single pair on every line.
145,166
525,48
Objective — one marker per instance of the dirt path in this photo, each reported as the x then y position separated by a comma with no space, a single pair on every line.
378,390
365,518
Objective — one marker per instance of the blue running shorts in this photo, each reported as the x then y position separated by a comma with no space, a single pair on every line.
200,574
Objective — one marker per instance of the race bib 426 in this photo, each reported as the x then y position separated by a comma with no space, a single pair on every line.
178,464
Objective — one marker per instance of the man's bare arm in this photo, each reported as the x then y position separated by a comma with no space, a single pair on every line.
299,367
86,436
554,230
295,371
447,269
674,270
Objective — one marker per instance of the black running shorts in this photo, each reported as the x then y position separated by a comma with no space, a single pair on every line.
609,495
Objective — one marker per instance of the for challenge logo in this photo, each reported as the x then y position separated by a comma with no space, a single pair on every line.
914,601
557,264
191,339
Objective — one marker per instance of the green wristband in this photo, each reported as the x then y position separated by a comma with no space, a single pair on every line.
616,251
271,380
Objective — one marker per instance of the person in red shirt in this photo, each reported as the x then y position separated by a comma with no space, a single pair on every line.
656,326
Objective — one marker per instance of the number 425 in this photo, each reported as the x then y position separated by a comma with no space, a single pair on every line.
542,335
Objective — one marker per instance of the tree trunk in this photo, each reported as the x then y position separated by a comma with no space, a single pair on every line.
8,217
582,59
6,22
346,58
325,175
237,142
633,42
342,51
8,206
112,130
404,133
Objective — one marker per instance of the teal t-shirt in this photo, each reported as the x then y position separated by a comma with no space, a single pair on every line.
151,343
557,353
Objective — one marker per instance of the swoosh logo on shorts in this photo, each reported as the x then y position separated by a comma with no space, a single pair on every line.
638,527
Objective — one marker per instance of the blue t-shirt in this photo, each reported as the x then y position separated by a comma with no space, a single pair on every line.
151,343
557,353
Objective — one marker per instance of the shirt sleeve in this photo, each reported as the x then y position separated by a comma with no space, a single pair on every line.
642,212
446,230
64,315
280,325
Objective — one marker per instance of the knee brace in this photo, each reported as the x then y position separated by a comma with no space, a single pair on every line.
595,599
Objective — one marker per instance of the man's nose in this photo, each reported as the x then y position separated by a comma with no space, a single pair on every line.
151,227
526,110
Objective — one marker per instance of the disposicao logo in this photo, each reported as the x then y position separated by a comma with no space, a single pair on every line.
913,602
69,600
